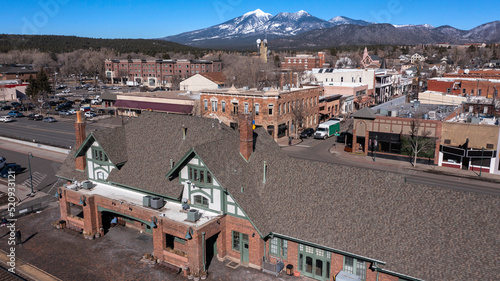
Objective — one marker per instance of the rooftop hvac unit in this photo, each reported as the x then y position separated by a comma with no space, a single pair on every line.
87,185
193,215
146,201
156,203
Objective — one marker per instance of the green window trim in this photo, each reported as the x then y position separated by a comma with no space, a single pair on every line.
278,247
235,243
200,176
99,156
355,266
201,201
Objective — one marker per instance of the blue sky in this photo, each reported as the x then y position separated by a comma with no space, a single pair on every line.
156,18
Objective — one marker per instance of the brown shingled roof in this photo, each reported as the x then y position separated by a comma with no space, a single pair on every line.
420,231
216,77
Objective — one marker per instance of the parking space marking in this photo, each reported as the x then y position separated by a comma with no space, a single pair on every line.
37,179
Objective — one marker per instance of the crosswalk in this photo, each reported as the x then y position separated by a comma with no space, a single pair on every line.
37,179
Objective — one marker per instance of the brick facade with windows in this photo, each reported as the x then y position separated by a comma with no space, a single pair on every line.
465,86
304,62
156,73
272,109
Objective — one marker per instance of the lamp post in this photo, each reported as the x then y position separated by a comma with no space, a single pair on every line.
30,155
482,155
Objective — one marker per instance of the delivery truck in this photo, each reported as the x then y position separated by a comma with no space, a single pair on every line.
327,129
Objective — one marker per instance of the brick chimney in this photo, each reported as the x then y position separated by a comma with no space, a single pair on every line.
246,135
80,162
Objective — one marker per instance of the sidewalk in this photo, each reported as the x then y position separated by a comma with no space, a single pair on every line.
338,151
39,152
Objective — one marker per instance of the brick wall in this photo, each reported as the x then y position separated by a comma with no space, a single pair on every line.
263,118
256,245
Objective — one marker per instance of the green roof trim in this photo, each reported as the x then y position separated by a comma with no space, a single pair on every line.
86,144
324,248
180,163
397,274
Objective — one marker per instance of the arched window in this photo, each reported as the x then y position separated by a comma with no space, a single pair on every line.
201,200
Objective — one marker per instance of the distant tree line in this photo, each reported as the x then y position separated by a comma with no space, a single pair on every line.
66,44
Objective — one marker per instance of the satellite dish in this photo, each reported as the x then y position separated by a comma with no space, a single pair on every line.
466,71
258,41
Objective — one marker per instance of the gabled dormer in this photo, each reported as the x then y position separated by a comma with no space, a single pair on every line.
201,188
103,153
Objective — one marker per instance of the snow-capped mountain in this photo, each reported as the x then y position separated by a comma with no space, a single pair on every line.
345,20
413,25
245,24
301,29
291,24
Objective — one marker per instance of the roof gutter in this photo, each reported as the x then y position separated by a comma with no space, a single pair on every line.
406,277
327,249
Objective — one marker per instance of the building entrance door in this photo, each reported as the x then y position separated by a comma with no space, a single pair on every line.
245,248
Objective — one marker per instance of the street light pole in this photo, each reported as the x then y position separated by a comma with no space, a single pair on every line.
482,156
30,155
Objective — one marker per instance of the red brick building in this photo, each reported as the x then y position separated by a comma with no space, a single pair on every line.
303,62
204,191
278,111
156,73
465,86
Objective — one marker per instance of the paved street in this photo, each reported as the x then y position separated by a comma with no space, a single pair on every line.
43,170
325,151
60,133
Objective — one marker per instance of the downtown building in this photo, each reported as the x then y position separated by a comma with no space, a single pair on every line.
156,73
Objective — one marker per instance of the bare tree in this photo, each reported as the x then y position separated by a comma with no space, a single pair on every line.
418,141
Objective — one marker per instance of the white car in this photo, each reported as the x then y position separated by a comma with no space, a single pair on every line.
90,114
6,119
72,111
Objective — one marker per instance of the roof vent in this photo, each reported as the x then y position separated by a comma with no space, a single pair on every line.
193,215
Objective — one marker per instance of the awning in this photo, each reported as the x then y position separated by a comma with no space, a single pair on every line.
344,276
165,107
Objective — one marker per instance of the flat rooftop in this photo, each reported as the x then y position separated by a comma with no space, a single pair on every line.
171,210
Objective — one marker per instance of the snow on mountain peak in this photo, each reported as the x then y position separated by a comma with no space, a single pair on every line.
258,13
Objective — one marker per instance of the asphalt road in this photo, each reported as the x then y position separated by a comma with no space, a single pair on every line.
318,150
60,133
43,171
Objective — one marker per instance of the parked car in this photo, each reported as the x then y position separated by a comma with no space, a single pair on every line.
49,119
72,111
90,114
33,116
6,107
101,111
15,113
111,112
63,106
52,103
16,168
3,161
6,119
64,112
307,133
